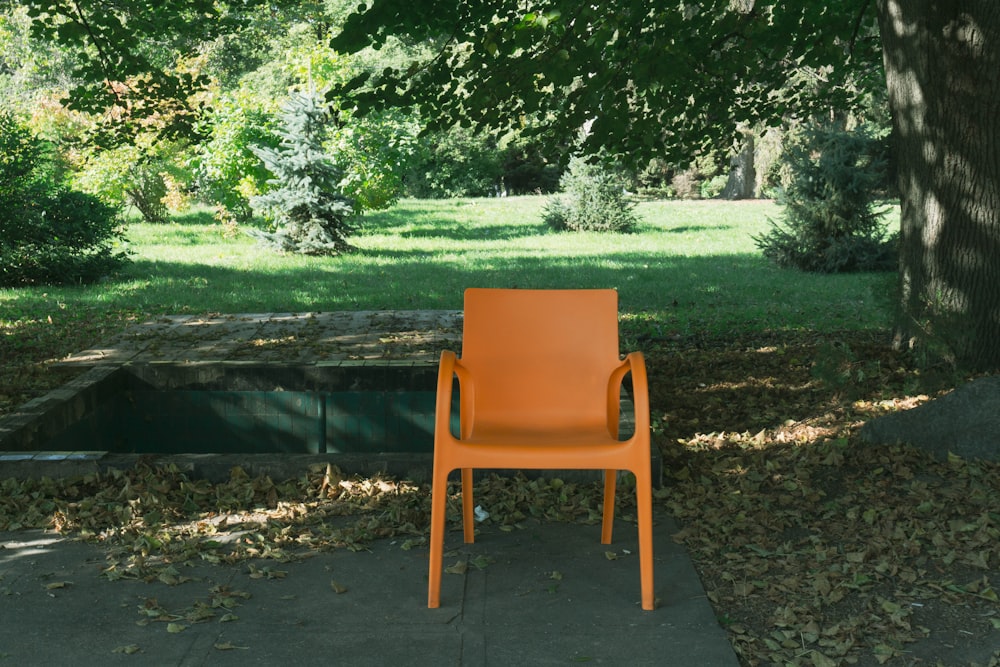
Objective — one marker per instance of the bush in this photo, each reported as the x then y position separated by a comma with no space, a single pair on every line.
596,201
59,237
373,151
831,221
146,176
49,233
227,172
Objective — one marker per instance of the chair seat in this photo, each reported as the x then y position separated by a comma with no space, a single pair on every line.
590,449
542,438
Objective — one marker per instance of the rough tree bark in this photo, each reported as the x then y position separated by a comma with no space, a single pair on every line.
942,64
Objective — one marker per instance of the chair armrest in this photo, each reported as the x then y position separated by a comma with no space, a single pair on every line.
634,364
450,367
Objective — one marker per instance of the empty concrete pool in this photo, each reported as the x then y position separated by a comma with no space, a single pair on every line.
269,392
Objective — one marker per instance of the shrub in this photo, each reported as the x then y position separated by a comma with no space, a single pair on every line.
143,176
227,172
831,221
60,237
373,151
713,187
595,201
49,233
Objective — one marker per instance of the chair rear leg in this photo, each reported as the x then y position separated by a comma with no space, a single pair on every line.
608,519
468,511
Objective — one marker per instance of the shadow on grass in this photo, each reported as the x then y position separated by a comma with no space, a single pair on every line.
696,228
672,294
460,232
194,217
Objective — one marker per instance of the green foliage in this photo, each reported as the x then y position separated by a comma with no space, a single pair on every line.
22,156
226,170
831,221
527,167
310,214
49,234
595,201
139,48
458,162
374,151
656,79
710,188
454,163
128,176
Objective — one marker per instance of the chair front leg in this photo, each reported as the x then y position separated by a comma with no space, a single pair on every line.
439,497
644,513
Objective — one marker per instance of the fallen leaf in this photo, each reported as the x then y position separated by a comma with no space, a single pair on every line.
57,584
174,628
820,660
228,646
883,653
460,567
127,650
480,562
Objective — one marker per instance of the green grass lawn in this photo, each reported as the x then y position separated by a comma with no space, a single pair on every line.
691,267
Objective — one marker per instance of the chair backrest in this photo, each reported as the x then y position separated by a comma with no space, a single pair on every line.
544,356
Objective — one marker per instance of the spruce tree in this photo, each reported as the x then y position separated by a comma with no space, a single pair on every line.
596,201
310,214
832,223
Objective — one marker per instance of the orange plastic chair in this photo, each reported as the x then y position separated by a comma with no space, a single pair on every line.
539,387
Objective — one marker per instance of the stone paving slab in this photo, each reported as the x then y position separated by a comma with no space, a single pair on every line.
287,337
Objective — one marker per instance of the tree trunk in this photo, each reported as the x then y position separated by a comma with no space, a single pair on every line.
742,179
942,64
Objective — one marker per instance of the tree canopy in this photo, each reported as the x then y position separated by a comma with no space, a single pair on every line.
648,79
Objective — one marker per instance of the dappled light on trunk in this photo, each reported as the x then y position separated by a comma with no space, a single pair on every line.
941,62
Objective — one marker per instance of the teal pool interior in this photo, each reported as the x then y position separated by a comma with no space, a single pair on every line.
241,408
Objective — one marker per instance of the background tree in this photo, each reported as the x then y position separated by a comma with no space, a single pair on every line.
660,79
129,65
